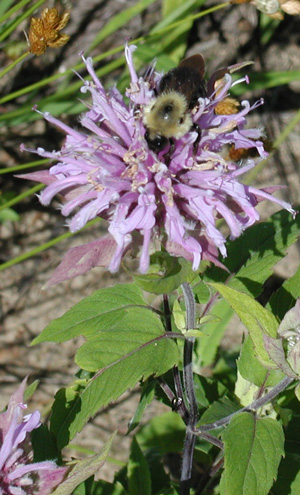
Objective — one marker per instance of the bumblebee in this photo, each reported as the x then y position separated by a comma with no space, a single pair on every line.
169,115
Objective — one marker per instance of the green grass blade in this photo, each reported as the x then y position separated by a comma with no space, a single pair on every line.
5,4
20,19
43,247
119,20
21,196
25,166
13,64
265,80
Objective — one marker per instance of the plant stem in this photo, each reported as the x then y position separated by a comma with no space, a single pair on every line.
187,461
190,438
256,404
181,408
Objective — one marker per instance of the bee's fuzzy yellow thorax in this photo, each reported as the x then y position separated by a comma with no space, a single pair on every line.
167,115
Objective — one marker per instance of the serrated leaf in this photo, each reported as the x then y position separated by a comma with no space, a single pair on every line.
134,333
253,449
253,371
245,390
138,473
251,257
290,322
256,319
80,259
274,348
288,480
147,396
127,356
217,410
83,470
94,313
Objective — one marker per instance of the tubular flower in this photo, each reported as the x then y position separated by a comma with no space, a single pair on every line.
172,197
18,476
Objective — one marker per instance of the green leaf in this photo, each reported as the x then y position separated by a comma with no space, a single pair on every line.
62,410
9,215
208,391
122,356
218,410
252,370
137,332
288,481
138,473
202,292
166,273
268,27
30,390
44,444
104,488
252,453
83,470
287,347
94,313
251,257
147,396
290,324
285,297
275,350
207,345
245,390
194,332
164,433
256,319
179,316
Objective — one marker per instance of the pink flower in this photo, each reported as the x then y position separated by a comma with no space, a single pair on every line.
18,476
171,197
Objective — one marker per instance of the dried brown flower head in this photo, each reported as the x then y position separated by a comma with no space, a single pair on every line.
44,32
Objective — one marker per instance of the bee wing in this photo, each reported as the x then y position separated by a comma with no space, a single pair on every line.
195,62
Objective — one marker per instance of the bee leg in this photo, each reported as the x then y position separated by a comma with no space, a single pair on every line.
197,129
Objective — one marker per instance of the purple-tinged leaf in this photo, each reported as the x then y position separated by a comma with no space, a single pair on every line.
274,348
81,259
83,470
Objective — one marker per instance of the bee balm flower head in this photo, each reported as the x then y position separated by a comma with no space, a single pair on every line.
172,196
18,475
